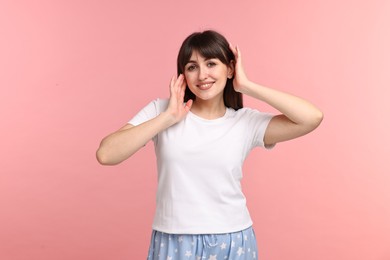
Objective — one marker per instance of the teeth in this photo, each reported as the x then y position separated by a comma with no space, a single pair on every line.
205,85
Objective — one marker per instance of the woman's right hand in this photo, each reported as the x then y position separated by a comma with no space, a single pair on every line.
176,107
124,142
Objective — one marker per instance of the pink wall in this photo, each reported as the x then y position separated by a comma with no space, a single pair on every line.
73,71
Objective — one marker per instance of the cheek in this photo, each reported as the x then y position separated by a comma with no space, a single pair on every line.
223,73
187,81
189,78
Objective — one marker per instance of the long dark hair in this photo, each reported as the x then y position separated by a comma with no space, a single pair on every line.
210,44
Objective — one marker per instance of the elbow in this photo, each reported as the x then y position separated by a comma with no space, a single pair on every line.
320,117
317,119
102,158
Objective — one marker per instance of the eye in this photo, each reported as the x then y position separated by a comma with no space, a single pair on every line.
211,64
191,67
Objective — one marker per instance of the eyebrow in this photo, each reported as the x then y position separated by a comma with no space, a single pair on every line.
193,61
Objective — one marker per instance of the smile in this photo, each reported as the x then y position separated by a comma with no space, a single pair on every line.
205,86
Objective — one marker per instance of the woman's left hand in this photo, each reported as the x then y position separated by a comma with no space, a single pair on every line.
240,80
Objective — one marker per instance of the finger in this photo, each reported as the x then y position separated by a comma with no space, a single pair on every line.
184,87
178,84
174,88
238,52
171,85
183,83
179,79
182,91
188,105
233,49
172,81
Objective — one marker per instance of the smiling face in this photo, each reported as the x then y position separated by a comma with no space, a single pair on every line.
198,49
206,78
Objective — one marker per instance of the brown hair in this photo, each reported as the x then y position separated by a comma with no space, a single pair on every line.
210,44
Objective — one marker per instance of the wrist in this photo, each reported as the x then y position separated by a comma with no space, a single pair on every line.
167,119
245,88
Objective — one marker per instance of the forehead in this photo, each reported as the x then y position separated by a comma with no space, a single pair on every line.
196,56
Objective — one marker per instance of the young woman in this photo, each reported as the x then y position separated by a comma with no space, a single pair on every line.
202,135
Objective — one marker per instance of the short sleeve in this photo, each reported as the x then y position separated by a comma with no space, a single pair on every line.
257,124
149,112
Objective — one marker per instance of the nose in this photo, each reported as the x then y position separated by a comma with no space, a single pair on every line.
203,73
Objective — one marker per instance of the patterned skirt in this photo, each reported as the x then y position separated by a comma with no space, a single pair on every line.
239,245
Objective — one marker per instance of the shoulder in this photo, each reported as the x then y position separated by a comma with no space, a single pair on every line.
161,104
247,112
158,105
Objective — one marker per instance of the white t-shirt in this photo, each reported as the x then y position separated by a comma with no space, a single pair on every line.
199,164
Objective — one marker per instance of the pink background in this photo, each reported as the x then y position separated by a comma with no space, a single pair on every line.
73,71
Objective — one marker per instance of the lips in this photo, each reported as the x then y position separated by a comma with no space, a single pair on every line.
205,86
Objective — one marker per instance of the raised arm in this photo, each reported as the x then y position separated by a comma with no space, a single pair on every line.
123,143
298,116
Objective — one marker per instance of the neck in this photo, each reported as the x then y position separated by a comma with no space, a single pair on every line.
208,109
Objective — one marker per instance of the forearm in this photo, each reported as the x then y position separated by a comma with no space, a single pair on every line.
296,109
122,144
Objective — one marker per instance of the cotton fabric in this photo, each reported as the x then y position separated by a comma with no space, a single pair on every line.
231,246
199,165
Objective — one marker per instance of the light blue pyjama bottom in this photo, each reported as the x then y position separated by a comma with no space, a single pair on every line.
239,245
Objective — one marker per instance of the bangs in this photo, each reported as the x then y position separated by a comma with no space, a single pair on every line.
209,50
208,45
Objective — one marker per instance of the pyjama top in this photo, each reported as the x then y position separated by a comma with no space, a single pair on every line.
199,163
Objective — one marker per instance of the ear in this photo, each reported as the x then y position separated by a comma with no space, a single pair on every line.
231,69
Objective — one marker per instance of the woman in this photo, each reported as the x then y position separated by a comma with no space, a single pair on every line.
202,135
